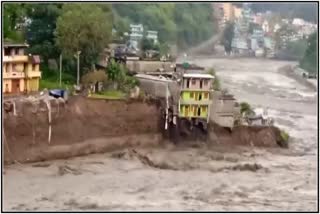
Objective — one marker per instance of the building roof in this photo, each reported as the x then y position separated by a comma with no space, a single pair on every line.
8,43
154,78
205,76
189,66
35,59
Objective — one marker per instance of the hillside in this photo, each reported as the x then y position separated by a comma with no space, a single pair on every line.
176,23
306,10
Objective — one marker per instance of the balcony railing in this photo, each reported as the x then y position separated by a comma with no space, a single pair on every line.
15,58
13,75
195,102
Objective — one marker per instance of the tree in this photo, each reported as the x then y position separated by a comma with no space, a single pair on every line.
40,32
310,60
228,35
184,24
148,44
94,77
84,27
13,20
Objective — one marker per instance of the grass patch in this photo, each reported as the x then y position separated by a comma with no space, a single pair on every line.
109,95
48,84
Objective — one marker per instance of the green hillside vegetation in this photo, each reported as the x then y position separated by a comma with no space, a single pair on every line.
54,28
310,59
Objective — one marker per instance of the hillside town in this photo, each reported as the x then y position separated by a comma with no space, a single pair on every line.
256,33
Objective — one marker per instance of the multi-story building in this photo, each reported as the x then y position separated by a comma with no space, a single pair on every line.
228,12
153,35
237,12
136,32
21,72
195,98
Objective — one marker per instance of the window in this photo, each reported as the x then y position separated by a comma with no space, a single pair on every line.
188,83
6,51
33,67
201,83
193,81
14,67
206,95
205,82
13,52
200,96
21,51
191,95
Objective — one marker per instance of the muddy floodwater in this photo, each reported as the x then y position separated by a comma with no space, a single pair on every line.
202,177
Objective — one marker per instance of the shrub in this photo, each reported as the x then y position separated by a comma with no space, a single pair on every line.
246,108
94,77
284,136
216,82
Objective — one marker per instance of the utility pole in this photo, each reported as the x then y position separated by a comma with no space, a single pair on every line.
60,69
78,67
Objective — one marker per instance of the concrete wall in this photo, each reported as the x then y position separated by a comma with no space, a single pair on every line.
147,66
222,112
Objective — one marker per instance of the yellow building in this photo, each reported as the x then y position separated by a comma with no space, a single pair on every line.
228,12
237,12
20,72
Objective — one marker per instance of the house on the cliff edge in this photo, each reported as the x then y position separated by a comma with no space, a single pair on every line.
20,72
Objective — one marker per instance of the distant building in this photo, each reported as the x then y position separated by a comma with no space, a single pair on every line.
228,12
219,14
153,35
21,72
258,19
136,32
276,27
285,21
298,22
265,26
237,12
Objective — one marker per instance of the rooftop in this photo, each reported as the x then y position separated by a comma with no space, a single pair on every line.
204,76
15,45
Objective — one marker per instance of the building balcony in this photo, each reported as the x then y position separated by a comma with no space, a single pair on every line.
13,75
16,58
195,102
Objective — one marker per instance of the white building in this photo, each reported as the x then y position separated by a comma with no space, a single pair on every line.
298,22
136,32
276,27
265,26
152,35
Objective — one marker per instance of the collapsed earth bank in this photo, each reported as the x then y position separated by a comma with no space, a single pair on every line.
83,126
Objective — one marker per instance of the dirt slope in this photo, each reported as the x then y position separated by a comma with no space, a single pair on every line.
79,120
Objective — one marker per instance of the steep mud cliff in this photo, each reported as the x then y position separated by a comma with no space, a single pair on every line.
76,122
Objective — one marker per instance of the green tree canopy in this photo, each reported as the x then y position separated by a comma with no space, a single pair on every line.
310,60
84,27
228,35
40,32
